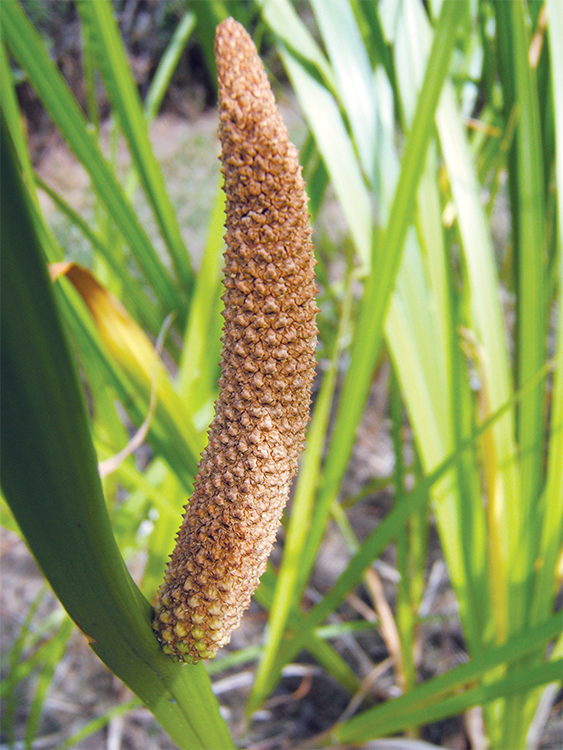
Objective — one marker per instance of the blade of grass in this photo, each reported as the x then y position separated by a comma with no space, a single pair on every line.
199,368
354,76
530,313
107,47
299,51
317,647
12,115
434,699
52,657
424,344
16,675
425,384
297,534
13,118
551,533
135,354
133,392
435,690
379,285
20,668
209,15
7,519
282,19
376,542
377,47
405,612
99,723
167,66
168,497
501,471
553,519
316,183
334,144
90,81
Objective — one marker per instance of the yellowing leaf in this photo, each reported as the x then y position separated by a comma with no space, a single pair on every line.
132,349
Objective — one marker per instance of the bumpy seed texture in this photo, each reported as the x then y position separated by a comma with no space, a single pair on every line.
268,361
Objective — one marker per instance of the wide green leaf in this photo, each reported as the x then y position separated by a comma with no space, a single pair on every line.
50,479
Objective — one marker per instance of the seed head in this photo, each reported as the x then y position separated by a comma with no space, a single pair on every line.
268,361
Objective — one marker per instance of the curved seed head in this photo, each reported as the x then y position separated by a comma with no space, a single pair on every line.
268,362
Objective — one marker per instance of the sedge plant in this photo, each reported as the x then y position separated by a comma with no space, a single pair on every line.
419,119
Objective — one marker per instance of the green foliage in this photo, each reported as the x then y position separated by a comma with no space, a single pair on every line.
388,98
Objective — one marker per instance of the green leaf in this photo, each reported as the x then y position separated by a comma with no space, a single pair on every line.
337,151
552,531
530,247
199,368
107,47
282,18
52,658
437,698
50,480
142,305
209,15
297,536
354,76
167,66
99,723
379,285
388,530
501,470
323,652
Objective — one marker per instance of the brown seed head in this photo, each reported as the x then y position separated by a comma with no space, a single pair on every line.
268,362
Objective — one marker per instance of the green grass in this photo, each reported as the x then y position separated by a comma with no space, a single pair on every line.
385,91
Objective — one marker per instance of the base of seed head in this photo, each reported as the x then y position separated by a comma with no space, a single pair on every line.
180,639
267,365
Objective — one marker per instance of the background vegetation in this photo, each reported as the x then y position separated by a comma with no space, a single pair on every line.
424,124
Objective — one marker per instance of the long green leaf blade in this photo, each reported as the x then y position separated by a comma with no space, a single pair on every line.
287,587
376,725
167,66
552,531
50,479
124,97
353,73
389,718
336,148
379,286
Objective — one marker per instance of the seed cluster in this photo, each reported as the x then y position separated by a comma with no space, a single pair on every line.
268,361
